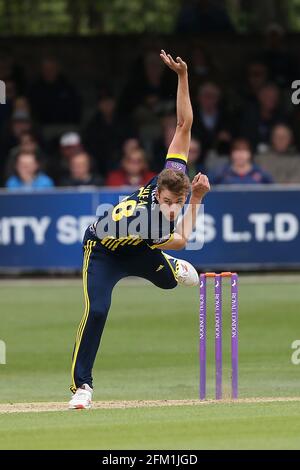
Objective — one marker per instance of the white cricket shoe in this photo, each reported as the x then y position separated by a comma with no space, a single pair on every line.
186,274
82,398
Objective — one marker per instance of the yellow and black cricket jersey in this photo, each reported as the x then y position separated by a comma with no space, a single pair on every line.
137,223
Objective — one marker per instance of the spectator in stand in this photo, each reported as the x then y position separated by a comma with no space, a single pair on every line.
6,110
21,103
69,144
282,140
257,75
28,143
12,72
106,132
81,171
201,68
130,145
282,65
161,145
54,100
211,124
150,97
20,122
241,169
27,174
259,119
281,160
133,171
150,86
194,161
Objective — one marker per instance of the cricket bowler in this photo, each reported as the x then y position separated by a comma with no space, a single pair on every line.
128,241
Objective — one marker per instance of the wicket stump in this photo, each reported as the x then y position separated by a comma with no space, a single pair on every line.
218,332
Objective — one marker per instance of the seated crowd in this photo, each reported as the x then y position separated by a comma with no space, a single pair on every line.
241,134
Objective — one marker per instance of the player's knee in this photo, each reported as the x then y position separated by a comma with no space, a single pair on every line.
98,314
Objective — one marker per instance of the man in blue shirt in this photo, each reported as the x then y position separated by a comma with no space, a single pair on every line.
241,169
27,174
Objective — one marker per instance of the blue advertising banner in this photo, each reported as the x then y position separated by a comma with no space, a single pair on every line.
243,228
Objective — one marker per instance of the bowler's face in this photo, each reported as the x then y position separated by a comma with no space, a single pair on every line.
170,203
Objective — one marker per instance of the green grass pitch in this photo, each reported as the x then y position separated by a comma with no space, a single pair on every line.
149,351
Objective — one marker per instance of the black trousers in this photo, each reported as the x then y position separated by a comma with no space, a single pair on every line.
101,271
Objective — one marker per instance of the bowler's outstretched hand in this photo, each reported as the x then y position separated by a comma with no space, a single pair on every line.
178,65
